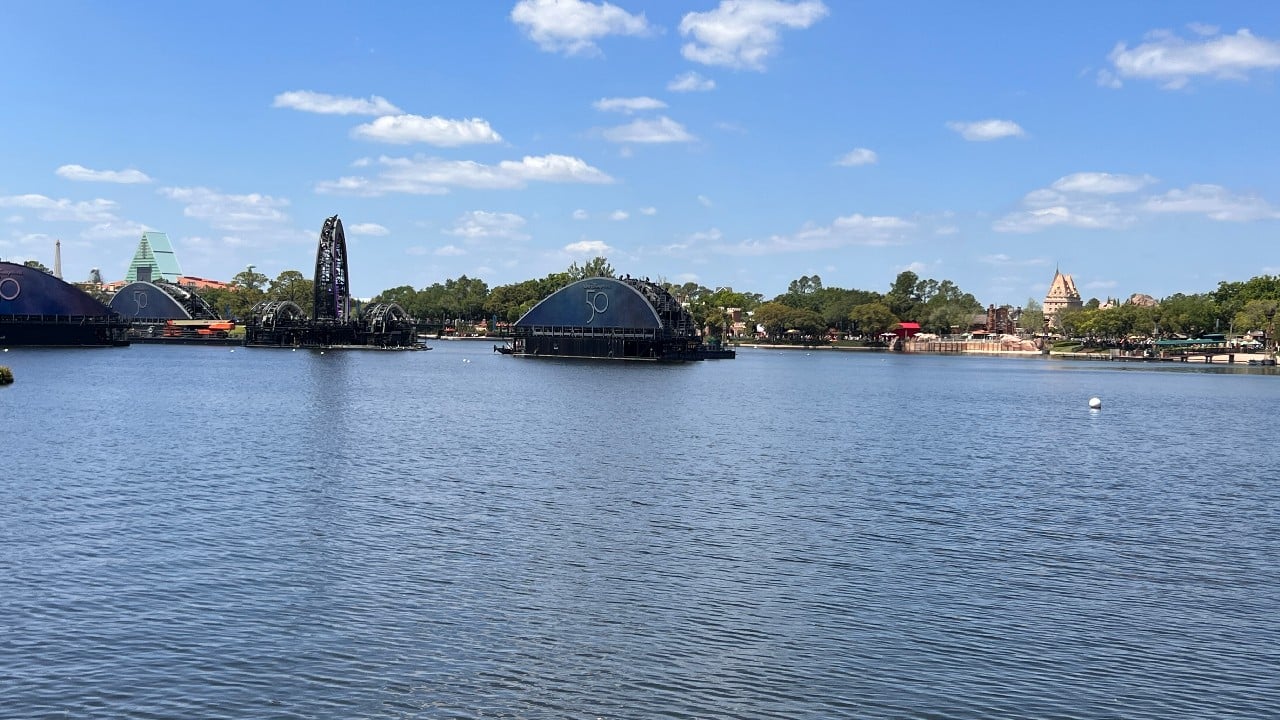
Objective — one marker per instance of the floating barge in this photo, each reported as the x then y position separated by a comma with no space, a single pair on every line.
610,319
37,308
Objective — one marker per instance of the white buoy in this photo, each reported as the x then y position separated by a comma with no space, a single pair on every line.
1095,403
233,349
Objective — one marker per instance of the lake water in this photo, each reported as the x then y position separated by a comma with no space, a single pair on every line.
200,533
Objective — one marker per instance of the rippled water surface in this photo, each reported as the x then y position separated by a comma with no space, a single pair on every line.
200,533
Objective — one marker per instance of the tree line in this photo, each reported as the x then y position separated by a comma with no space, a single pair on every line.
807,309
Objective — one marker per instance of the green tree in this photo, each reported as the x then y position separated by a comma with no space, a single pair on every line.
1032,317
293,286
37,265
872,319
247,290
775,317
1190,315
1259,315
902,297
595,267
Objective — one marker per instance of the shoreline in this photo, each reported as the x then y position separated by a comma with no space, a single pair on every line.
1253,359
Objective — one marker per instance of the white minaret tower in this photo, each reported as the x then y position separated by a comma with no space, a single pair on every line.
57,259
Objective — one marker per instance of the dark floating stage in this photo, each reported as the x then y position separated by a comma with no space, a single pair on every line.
37,308
281,323
610,319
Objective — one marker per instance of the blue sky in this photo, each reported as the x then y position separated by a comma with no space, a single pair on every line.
737,144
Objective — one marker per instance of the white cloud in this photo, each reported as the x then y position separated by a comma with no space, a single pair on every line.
856,229
984,130
1002,260
744,33
482,225
63,210
115,229
657,130
573,26
433,176
371,229
1086,215
1101,183
1172,61
648,211
691,82
314,102
858,156
450,251
1215,202
83,174
580,214
1078,201
587,247
404,129
617,215
704,201
628,105
239,213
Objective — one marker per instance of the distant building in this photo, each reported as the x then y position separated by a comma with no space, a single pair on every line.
154,260
1000,320
1062,296
192,282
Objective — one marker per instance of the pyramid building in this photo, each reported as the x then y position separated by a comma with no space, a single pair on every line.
1062,296
154,260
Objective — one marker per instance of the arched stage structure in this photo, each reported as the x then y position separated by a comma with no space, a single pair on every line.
283,324
142,302
37,308
610,318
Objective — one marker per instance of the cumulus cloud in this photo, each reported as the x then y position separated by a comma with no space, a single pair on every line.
405,129
450,251
587,247
574,26
744,33
1097,201
81,173
648,211
229,212
856,229
628,105
985,130
434,176
1089,215
115,229
704,201
1173,61
691,82
1101,183
1002,260
314,102
858,156
371,229
62,209
484,225
618,215
657,130
1215,202
580,214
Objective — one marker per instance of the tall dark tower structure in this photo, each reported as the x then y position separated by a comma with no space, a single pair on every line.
332,284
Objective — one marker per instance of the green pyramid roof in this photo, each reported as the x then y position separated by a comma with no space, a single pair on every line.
155,251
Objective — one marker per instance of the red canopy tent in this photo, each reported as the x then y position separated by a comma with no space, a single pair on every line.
906,329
